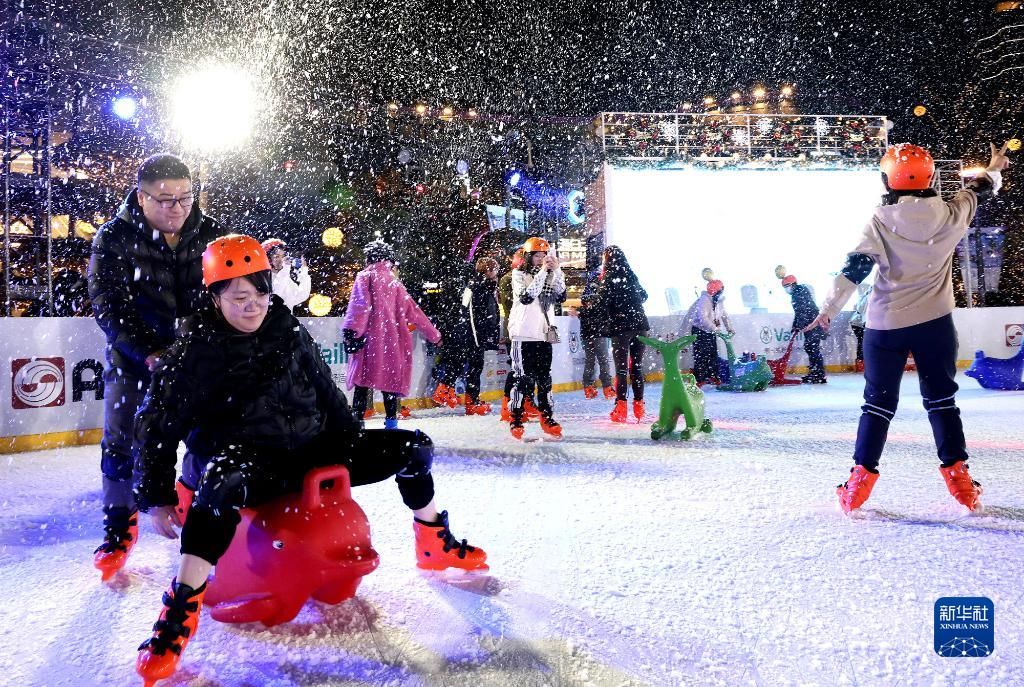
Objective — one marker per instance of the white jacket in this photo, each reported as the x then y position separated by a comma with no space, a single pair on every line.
912,243
291,293
526,321
703,313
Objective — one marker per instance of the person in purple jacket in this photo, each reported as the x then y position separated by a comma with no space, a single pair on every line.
377,335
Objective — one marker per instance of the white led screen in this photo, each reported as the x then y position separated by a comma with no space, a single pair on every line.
741,223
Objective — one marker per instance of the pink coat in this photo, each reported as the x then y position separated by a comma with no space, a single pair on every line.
381,309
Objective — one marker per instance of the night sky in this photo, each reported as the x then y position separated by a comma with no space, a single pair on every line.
571,58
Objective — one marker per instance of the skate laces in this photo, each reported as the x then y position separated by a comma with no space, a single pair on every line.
172,626
449,540
116,536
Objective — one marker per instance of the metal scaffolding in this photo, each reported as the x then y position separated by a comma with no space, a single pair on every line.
27,162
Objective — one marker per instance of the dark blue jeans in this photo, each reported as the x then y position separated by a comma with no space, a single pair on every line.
933,345
122,395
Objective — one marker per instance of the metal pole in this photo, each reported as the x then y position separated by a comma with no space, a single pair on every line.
7,209
47,180
979,259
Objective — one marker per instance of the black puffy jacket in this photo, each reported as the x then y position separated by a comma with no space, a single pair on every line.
804,307
482,320
139,285
259,395
622,300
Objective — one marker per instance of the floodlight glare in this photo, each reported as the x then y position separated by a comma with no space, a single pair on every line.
125,106
215,108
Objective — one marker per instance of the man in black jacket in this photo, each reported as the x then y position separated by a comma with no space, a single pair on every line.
804,312
145,272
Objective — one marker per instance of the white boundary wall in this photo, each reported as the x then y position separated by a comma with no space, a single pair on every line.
49,380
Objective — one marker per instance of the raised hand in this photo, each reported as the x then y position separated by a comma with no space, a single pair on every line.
999,160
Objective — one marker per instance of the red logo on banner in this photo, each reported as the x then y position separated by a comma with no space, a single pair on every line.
1014,334
37,383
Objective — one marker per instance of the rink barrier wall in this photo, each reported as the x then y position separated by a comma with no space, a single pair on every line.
52,390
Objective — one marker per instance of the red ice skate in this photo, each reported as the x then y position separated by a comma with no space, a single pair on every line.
476,408
159,655
445,395
121,531
961,486
437,548
856,490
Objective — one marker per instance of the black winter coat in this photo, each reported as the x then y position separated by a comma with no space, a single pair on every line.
139,285
483,321
622,300
804,308
259,396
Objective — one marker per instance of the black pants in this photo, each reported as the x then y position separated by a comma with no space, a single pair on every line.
933,345
859,333
705,355
452,363
531,362
595,355
475,359
362,398
231,482
123,393
815,360
628,350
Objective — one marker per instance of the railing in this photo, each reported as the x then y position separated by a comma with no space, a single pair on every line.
744,136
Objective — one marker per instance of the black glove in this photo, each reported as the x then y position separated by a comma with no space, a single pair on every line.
352,342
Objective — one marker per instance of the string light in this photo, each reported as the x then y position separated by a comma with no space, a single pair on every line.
332,237
319,304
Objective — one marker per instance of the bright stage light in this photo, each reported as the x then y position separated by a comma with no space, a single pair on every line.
319,305
215,108
514,178
125,107
672,223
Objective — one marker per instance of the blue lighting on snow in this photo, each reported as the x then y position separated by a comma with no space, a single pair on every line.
125,107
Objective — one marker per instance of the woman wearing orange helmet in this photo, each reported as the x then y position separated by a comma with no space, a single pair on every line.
536,286
911,238
249,387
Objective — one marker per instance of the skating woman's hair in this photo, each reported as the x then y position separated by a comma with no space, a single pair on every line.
263,281
484,265
615,263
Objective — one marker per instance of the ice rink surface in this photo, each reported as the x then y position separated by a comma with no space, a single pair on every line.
615,560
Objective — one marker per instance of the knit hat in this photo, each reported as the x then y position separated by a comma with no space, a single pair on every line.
378,251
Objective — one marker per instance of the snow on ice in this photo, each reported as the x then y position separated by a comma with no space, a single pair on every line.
615,561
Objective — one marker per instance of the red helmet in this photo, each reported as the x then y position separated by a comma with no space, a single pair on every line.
908,167
788,280
536,244
715,286
234,255
271,244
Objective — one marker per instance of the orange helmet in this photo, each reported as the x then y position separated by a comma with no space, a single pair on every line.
271,244
908,167
536,244
715,286
234,255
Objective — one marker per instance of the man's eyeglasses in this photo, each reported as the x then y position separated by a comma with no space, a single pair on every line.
168,203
